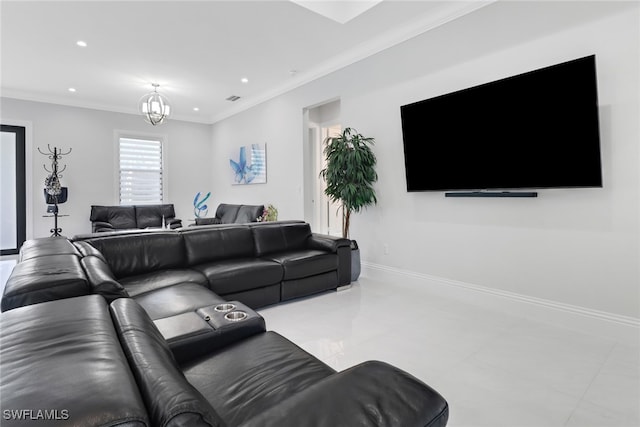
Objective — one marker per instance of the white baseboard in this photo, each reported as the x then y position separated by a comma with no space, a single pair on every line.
621,328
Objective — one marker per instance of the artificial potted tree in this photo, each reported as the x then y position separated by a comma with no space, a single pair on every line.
349,175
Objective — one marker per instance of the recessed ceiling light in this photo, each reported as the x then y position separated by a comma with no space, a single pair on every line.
244,80
72,89
196,109
81,43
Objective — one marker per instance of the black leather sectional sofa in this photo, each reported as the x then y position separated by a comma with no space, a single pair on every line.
157,329
258,264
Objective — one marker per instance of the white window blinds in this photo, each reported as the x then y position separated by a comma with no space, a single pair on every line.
140,171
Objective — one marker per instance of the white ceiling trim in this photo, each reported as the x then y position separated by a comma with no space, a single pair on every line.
386,40
29,96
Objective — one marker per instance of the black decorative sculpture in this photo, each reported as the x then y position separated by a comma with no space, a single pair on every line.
54,192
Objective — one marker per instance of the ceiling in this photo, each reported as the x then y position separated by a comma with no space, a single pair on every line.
198,51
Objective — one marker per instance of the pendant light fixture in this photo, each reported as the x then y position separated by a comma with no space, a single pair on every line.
154,107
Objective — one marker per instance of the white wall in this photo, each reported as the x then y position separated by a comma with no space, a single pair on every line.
578,247
91,173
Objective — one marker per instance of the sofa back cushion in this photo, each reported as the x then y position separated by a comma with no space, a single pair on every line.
210,244
171,400
249,213
271,238
120,217
227,213
130,255
151,215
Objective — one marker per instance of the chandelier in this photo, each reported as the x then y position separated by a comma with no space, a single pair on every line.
154,107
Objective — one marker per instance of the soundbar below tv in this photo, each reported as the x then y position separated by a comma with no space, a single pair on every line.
531,131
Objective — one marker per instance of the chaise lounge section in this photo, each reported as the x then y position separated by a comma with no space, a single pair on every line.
81,362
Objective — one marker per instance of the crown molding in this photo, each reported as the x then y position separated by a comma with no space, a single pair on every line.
29,96
450,12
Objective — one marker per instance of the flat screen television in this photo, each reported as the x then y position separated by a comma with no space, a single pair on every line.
531,131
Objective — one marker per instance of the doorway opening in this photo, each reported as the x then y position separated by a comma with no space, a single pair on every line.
13,213
321,122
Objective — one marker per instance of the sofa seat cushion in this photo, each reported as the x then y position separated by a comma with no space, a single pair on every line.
235,275
253,375
143,283
177,299
65,356
304,262
371,394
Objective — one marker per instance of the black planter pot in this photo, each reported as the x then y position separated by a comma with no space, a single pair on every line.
355,261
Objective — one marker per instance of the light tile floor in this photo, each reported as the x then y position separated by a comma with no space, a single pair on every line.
494,369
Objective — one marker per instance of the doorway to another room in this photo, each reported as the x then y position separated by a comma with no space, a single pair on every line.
13,213
322,122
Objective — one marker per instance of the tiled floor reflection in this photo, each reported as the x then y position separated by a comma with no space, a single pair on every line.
494,369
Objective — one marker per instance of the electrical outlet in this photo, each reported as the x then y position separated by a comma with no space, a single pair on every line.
386,249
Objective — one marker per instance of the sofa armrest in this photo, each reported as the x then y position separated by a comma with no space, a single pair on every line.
101,279
44,278
100,226
328,243
337,245
369,394
173,223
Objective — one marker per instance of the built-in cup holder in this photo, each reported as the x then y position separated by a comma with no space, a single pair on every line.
236,316
223,308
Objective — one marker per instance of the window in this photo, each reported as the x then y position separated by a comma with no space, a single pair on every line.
140,171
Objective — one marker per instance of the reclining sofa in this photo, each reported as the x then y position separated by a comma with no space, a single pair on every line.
112,218
258,264
128,329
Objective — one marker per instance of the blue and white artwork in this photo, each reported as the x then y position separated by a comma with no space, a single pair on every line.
250,167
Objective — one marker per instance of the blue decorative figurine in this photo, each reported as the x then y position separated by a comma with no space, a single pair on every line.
199,208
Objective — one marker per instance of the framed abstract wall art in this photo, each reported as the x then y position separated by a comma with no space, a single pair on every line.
249,165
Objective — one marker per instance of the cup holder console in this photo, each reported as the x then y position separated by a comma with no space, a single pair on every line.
236,316
224,308
231,314
209,328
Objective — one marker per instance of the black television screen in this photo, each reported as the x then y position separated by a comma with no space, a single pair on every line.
534,130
